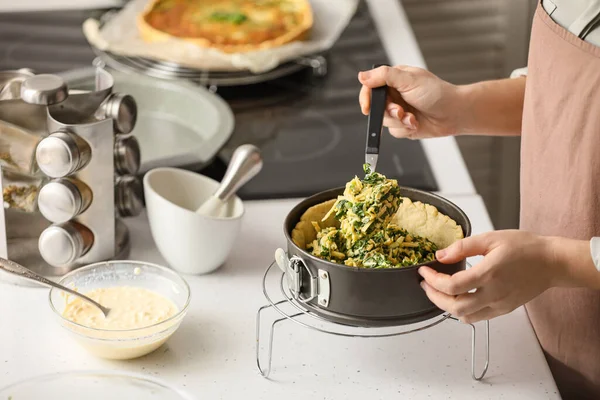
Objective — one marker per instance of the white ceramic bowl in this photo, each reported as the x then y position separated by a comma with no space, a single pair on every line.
190,242
129,343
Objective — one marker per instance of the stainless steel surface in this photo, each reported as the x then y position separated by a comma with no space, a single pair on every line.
11,81
63,199
307,282
127,155
28,116
16,269
305,318
84,107
129,196
80,155
44,89
324,288
122,109
63,244
11,90
8,76
23,231
62,153
98,175
245,163
371,159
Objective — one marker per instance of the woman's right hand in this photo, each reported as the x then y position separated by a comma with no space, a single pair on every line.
419,105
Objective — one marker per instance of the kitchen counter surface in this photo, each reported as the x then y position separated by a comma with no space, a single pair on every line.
212,354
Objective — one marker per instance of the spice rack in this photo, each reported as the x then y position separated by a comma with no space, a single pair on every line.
69,173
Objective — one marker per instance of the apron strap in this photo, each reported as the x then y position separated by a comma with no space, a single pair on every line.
585,23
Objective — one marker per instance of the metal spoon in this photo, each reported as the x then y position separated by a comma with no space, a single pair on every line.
19,270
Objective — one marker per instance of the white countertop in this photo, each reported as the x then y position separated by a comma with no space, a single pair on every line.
212,354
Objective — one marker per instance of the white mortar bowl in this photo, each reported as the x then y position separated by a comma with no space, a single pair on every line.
191,243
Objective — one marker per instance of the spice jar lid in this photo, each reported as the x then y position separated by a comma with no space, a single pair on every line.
129,196
127,155
59,201
122,108
44,89
63,244
60,154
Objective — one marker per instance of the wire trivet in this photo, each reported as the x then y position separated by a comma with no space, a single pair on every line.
346,330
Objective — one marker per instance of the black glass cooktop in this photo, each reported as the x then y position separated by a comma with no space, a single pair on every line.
309,127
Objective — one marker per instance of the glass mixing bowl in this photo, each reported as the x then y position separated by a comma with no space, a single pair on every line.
92,385
131,343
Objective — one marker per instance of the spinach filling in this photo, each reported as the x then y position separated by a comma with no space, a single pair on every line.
366,237
232,17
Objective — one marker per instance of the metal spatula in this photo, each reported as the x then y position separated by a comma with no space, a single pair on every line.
375,124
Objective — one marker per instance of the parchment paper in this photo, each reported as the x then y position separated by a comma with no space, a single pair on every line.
120,36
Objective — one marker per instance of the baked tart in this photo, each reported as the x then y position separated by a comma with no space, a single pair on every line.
231,26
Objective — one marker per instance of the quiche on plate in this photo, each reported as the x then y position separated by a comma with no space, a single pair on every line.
231,26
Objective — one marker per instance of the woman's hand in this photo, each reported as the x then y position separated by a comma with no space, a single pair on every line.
517,266
420,105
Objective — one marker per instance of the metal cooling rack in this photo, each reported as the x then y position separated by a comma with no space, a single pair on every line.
307,319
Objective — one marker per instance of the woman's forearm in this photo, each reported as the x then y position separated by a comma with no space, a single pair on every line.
492,108
574,261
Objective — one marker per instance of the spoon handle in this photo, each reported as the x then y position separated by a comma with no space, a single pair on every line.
375,123
245,163
19,270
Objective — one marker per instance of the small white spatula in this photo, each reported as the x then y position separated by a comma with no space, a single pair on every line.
245,163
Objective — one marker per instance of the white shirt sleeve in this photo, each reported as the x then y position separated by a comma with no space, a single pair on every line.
519,72
595,251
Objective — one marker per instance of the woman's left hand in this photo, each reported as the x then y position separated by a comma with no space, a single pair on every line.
517,266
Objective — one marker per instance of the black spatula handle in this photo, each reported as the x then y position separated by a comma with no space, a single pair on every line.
375,121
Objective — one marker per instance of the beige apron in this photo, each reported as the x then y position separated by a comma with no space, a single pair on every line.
560,192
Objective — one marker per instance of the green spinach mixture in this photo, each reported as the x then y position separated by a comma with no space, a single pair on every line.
366,237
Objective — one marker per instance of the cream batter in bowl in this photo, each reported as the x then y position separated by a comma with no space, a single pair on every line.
147,302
